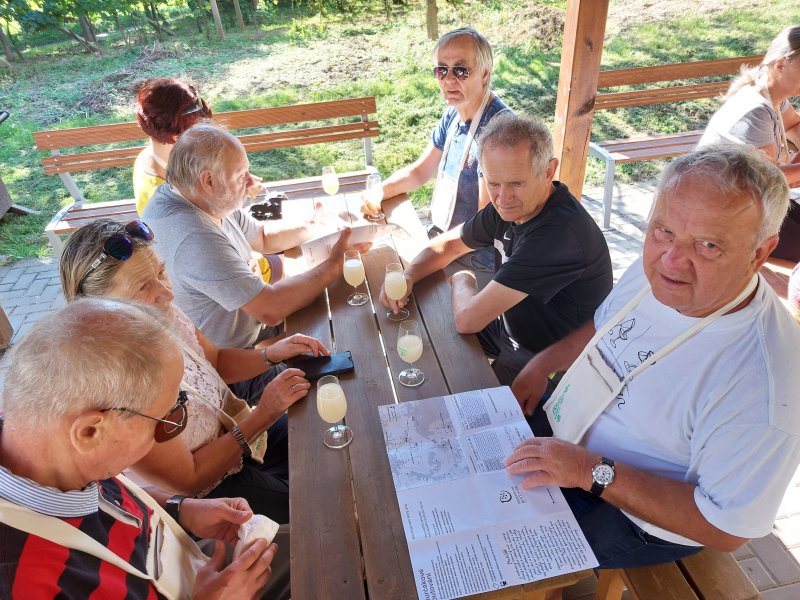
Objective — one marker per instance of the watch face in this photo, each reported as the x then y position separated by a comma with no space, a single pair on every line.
603,474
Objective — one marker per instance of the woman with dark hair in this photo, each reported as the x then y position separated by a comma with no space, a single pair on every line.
757,112
165,108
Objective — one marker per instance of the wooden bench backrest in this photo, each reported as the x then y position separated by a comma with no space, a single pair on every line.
76,138
670,72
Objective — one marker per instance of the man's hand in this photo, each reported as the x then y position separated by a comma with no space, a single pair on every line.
243,579
369,208
529,385
215,518
550,461
295,345
336,259
288,387
257,186
395,305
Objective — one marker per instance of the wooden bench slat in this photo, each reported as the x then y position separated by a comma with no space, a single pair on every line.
717,575
665,582
678,71
88,136
659,95
666,140
90,161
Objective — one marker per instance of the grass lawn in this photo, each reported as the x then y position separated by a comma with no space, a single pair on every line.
297,58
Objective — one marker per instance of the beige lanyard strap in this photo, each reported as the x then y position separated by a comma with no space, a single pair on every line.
669,347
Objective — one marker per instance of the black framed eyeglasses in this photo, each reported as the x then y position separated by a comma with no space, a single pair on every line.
460,73
171,425
120,245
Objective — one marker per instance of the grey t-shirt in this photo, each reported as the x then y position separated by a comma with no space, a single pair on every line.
211,265
746,118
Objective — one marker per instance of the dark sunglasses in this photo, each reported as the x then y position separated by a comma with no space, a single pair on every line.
173,423
197,106
460,73
120,245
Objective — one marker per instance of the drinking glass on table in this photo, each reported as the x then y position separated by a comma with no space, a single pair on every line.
409,348
332,407
373,195
354,275
395,287
330,180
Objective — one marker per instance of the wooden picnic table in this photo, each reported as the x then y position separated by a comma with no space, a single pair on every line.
347,538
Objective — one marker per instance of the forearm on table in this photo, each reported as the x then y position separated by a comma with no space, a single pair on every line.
279,236
666,503
463,290
441,252
238,364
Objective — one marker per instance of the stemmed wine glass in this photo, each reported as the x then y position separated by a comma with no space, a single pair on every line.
332,407
330,180
409,348
396,288
374,195
354,275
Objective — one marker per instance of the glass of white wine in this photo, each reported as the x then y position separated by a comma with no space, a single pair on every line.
409,348
332,407
330,180
354,275
396,288
373,195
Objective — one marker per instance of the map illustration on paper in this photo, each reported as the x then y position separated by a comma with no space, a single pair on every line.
470,526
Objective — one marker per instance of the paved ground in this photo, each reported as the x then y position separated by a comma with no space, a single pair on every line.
31,289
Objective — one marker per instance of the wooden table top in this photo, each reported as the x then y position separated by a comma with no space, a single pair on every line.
346,527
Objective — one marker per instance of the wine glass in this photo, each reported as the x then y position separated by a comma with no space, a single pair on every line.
330,180
332,406
354,275
374,194
395,287
409,348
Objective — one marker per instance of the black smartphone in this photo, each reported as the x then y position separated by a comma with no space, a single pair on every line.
318,366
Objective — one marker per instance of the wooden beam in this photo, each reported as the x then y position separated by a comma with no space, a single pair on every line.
577,87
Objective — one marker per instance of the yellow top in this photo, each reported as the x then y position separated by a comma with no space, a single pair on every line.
145,182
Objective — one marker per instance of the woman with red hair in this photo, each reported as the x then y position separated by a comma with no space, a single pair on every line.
165,108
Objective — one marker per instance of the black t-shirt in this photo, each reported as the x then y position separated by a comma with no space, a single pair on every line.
559,259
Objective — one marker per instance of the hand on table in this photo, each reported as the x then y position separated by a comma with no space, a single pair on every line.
550,461
244,578
294,345
215,518
288,387
529,385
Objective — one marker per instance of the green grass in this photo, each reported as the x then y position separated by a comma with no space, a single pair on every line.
60,86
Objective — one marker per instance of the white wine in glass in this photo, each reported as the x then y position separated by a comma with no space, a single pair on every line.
373,194
330,180
396,288
354,275
332,407
409,348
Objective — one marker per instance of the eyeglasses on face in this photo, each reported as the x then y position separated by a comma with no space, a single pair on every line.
120,245
173,423
460,73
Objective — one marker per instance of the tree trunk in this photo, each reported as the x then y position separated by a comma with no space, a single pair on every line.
14,44
86,27
122,33
239,19
83,42
387,6
217,20
431,19
6,47
5,64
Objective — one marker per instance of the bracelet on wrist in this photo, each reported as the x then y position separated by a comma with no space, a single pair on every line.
240,439
267,361
463,272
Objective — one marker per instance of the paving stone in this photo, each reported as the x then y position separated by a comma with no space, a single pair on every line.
35,316
789,592
4,287
47,276
783,567
41,267
744,552
24,281
757,573
50,293
20,332
32,307
35,289
787,530
12,275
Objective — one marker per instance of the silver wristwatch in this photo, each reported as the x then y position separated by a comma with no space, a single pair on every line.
602,476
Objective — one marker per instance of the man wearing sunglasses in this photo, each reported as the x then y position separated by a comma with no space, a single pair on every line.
90,390
463,68
207,243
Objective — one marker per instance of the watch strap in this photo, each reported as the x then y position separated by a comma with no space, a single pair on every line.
598,488
173,507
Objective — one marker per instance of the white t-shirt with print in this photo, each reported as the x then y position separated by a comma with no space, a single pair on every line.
721,410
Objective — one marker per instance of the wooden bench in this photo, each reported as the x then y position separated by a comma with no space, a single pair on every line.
82,142
709,574
653,147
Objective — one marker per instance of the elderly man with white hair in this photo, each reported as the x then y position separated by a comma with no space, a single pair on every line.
680,405
207,243
90,390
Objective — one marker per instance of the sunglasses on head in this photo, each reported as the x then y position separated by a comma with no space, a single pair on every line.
120,245
460,73
197,106
173,423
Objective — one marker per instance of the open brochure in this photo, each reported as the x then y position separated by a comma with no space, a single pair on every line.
470,527
318,250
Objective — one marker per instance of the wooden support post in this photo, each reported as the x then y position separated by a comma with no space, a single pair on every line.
577,87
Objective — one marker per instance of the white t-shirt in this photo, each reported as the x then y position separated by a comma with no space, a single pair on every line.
721,410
